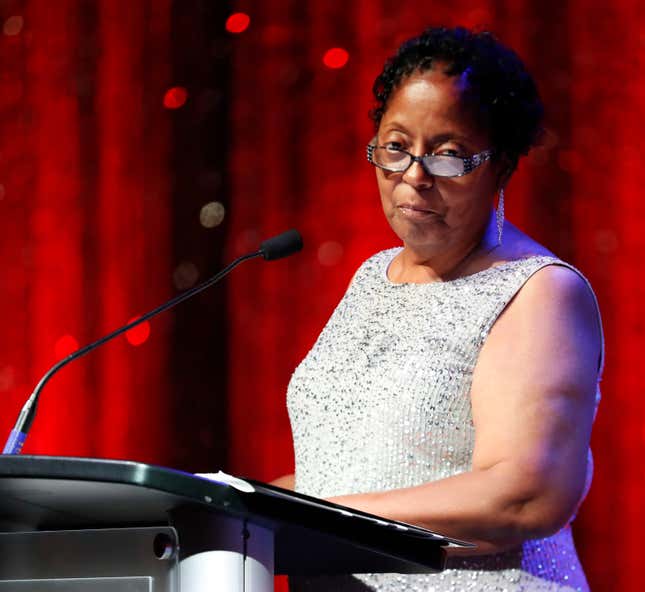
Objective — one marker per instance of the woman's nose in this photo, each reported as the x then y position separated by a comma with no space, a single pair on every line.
417,176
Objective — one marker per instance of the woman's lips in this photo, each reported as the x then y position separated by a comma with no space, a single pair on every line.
417,212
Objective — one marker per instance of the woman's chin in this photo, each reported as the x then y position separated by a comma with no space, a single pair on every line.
429,237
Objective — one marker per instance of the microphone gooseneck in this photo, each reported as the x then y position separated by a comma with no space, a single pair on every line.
279,246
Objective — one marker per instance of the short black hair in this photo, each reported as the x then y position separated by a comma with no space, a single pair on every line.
502,93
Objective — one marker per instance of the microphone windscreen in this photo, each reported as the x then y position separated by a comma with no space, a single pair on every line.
283,245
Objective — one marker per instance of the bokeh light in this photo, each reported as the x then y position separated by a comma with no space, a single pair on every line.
330,253
238,22
139,334
185,275
477,17
175,97
7,378
212,214
335,58
606,241
64,346
13,25
247,240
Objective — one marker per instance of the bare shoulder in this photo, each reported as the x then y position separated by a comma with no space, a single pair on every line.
553,294
552,322
555,290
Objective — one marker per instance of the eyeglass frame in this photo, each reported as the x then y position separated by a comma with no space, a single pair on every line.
470,162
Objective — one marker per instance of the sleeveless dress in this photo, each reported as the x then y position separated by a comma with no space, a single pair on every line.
382,401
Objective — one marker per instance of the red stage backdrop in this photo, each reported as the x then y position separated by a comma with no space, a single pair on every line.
89,205
85,218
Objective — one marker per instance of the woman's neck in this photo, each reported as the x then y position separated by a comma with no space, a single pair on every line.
414,265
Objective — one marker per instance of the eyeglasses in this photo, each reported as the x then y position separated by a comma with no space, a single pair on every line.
397,160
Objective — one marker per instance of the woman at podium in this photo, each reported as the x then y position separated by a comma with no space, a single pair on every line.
456,383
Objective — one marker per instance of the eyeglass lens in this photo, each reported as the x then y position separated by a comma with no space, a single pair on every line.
396,160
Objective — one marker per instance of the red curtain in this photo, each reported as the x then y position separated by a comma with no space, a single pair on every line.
299,130
85,219
88,211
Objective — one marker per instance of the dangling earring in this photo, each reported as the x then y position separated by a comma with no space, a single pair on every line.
499,215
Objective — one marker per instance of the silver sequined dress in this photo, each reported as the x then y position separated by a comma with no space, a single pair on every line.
382,402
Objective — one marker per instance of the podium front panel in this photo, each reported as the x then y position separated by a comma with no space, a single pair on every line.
109,560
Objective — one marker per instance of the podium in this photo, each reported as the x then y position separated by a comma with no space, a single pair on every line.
76,524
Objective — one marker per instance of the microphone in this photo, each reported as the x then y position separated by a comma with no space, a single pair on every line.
283,245
279,246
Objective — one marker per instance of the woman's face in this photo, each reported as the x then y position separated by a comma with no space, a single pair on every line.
430,214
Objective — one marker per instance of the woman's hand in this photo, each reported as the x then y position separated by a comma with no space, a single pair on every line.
533,401
286,481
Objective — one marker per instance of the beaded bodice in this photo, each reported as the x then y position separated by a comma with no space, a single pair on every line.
382,401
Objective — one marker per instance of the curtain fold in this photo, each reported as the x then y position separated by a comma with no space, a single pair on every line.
85,220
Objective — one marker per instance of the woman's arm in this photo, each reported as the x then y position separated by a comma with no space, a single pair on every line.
533,399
